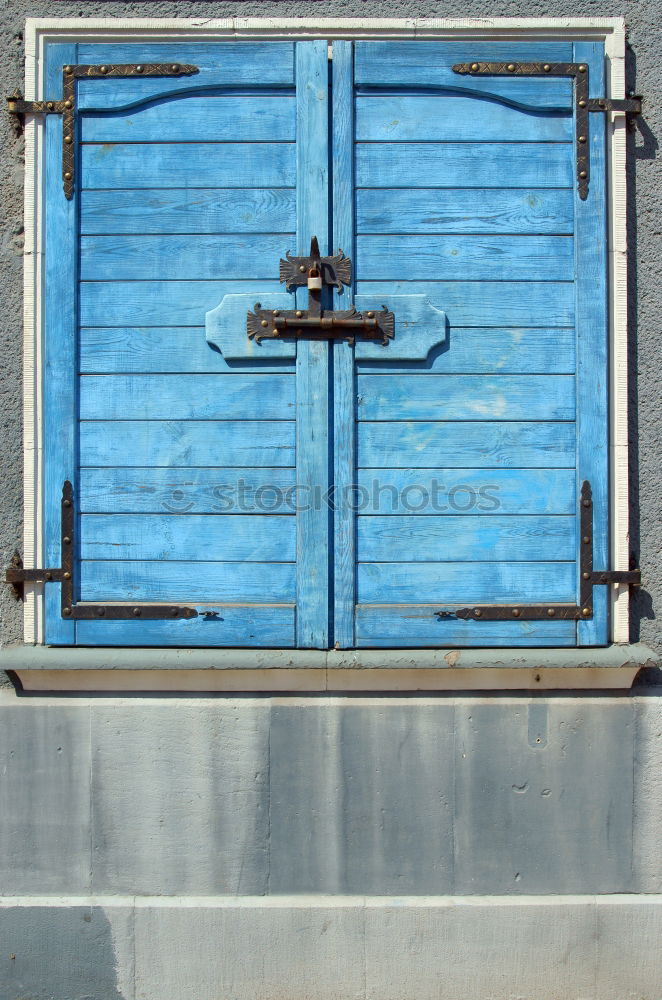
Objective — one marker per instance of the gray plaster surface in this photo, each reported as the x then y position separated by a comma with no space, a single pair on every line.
644,175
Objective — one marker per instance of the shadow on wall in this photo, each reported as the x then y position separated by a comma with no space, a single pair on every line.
57,953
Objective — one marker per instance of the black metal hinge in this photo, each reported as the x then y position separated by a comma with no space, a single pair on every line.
588,578
67,106
579,74
65,575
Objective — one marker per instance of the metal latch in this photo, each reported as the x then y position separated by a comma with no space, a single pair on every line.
316,272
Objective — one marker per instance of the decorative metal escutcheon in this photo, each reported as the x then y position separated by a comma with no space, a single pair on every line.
317,272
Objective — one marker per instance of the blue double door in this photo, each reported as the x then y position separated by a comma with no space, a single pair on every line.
317,492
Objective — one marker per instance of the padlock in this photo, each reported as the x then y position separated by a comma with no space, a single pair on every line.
314,279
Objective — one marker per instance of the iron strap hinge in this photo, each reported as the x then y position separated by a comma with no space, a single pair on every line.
588,578
579,74
67,106
65,575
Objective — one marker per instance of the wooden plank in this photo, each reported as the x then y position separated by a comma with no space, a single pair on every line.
108,350
184,303
499,303
192,164
481,445
220,64
312,367
464,491
187,582
59,345
475,210
117,258
450,164
472,350
453,582
222,625
174,443
344,391
186,397
465,397
429,64
495,537
593,345
189,538
159,303
467,258
196,210
193,118
416,626
190,491
454,118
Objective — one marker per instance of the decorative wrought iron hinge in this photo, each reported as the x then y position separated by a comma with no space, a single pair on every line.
17,577
588,578
67,106
579,74
318,272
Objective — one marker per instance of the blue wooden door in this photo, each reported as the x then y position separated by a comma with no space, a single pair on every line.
312,493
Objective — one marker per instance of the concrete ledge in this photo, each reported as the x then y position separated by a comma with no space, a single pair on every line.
332,948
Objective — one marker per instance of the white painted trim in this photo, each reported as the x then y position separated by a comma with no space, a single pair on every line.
611,30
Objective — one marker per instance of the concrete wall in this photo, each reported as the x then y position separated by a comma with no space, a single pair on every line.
429,847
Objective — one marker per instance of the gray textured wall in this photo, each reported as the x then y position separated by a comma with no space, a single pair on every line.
645,184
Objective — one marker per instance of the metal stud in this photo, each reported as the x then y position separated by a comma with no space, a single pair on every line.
68,69
586,503
67,175
101,612
66,612
103,69
137,612
175,67
582,68
68,139
68,104
582,103
302,268
583,174
478,613
50,105
551,612
174,612
516,612
370,315
263,322
586,576
139,69
547,67
582,138
66,540
49,576
511,67
67,503
276,312
298,314
475,67
586,612
66,575
586,540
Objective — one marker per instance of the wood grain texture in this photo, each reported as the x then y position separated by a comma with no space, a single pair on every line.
173,443
193,118
468,583
212,582
454,118
469,350
391,164
495,537
118,350
189,210
186,397
243,537
465,397
485,445
466,258
417,626
191,491
193,164
464,491
434,210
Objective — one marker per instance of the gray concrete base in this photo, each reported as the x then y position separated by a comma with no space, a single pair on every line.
331,948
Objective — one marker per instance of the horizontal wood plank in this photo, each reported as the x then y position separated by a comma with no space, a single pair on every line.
468,583
454,118
471,350
490,538
484,445
417,626
195,210
220,625
193,165
184,491
127,258
188,537
460,258
447,164
188,582
109,350
194,118
437,210
186,397
465,397
175,443
184,303
464,491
